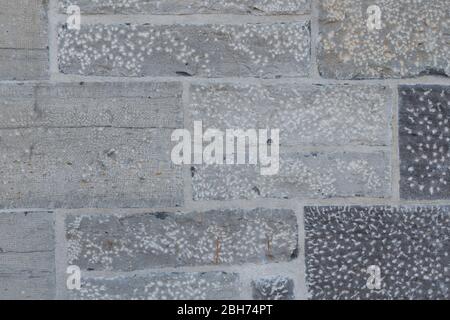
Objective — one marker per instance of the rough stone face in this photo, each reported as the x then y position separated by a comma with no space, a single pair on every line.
257,7
27,256
52,160
413,39
301,175
23,40
162,286
160,240
250,50
305,115
276,288
424,142
410,245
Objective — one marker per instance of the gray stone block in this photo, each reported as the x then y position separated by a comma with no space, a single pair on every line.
249,50
162,286
305,114
409,245
276,288
301,175
424,142
27,256
257,7
23,41
413,39
169,240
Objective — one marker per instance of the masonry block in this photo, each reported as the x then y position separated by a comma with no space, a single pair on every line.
256,7
409,245
161,286
424,142
275,288
412,38
248,50
170,240
27,256
77,152
23,40
305,114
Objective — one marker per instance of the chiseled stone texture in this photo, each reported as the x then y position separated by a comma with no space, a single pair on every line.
409,244
23,40
276,288
126,243
248,50
305,114
424,142
257,7
414,39
161,286
27,256
60,151
301,175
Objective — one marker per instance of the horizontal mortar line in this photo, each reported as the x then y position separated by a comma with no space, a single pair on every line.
24,49
336,148
87,127
192,19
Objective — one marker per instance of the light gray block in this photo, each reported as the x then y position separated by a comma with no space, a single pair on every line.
257,7
162,286
249,50
185,239
275,288
301,175
27,256
24,40
413,39
305,114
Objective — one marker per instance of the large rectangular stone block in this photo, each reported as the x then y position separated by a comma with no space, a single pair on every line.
63,152
168,240
301,175
304,114
162,286
257,7
247,50
394,39
377,252
424,142
23,40
27,256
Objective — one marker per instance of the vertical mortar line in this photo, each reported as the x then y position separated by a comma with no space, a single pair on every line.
60,253
187,177
53,38
301,291
395,158
314,26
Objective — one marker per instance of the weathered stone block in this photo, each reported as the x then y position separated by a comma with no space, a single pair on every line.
301,175
305,114
413,39
409,245
257,7
62,152
168,240
276,288
250,50
163,286
23,41
27,256
424,142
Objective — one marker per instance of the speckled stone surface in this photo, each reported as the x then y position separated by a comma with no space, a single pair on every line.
27,256
275,288
305,115
413,39
167,240
410,245
424,131
161,286
257,7
249,50
316,175
23,40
